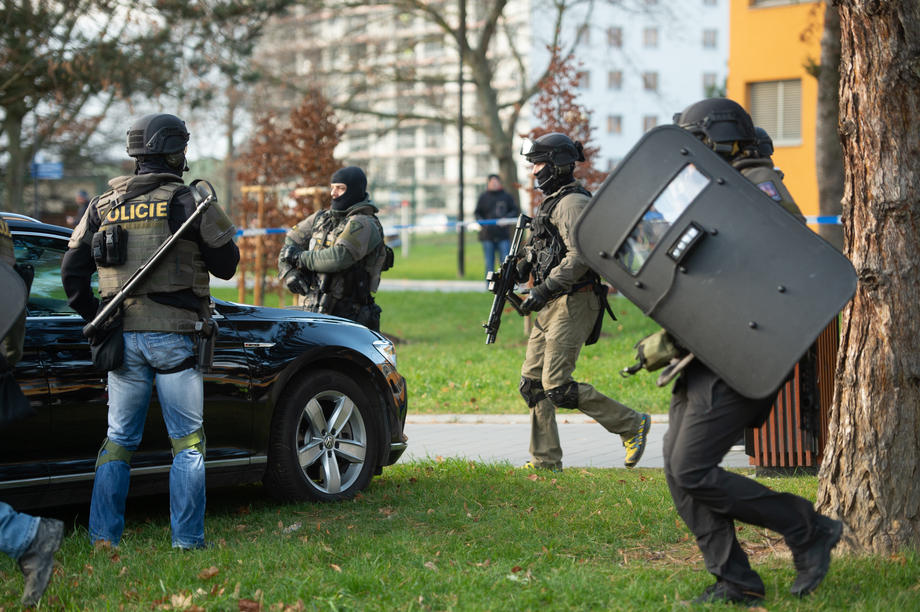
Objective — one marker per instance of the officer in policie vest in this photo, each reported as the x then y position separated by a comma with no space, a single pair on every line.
707,417
335,256
117,234
31,541
570,301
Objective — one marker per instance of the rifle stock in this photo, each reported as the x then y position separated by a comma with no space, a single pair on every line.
141,273
502,282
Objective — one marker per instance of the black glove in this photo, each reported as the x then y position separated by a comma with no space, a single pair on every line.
290,255
522,270
535,300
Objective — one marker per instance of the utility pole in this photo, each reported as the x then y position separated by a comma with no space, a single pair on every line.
460,258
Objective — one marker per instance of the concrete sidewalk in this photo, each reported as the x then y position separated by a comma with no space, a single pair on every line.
500,438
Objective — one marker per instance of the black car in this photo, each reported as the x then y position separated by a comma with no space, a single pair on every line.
309,404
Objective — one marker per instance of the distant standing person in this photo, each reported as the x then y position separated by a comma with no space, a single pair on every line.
495,203
335,256
81,201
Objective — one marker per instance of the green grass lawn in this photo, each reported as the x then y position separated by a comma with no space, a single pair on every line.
436,257
451,535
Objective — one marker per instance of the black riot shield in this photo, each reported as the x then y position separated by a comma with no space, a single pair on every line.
14,297
729,273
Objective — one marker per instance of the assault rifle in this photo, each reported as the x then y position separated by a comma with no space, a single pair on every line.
204,196
502,282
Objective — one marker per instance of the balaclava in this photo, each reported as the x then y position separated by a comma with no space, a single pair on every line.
356,185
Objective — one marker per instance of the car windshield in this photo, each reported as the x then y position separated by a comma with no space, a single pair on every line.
658,218
44,253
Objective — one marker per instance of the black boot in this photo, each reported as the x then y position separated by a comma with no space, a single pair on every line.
724,591
38,560
814,560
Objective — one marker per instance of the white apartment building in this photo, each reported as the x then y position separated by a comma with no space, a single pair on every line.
641,61
644,61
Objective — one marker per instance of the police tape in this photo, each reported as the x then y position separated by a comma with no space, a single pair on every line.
393,229
475,225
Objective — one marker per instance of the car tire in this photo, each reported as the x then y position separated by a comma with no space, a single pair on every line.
324,440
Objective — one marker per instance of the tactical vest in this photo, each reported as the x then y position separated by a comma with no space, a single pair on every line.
7,254
356,283
547,248
146,221
759,170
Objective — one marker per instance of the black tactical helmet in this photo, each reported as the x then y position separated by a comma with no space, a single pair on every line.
553,148
157,134
719,122
764,142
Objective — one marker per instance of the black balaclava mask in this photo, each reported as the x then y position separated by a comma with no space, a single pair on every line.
161,164
356,185
550,178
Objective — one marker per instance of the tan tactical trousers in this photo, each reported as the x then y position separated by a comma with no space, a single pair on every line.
559,331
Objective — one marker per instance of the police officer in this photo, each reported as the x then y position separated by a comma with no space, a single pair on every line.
569,298
707,417
29,540
335,256
119,231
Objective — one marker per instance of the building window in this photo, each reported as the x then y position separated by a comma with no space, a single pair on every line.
614,124
434,167
648,122
405,169
710,38
434,135
584,34
710,84
776,106
615,36
650,38
485,165
405,138
583,78
434,197
615,79
711,2
650,81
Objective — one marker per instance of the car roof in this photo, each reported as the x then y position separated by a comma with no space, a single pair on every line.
22,223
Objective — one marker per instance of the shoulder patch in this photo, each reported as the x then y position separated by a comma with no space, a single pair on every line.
770,189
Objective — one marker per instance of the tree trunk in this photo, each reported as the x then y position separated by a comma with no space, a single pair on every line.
828,155
870,476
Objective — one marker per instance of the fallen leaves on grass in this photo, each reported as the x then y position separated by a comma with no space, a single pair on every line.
208,573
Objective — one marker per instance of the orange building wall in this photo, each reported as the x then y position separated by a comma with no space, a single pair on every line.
775,43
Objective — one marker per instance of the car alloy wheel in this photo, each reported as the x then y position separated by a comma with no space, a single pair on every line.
325,439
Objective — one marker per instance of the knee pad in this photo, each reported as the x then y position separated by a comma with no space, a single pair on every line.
565,396
532,391
110,451
195,440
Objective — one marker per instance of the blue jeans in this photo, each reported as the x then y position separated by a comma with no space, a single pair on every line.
181,398
17,531
491,248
